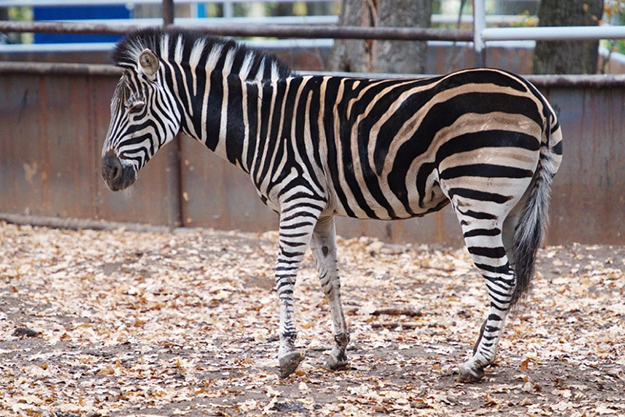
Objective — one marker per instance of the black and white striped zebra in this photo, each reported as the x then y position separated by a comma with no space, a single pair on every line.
315,147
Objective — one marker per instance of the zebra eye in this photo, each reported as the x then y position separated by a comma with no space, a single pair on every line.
136,106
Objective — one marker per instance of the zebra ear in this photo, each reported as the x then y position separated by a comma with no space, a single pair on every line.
148,63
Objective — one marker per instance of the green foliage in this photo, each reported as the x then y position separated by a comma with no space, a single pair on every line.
525,20
614,14
21,13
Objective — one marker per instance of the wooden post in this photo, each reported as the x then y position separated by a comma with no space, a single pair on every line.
174,166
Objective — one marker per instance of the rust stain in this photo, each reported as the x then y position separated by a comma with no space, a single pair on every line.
46,142
30,170
23,105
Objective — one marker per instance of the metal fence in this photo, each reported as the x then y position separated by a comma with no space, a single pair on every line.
481,35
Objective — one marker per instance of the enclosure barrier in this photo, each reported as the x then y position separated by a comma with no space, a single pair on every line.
480,34
54,119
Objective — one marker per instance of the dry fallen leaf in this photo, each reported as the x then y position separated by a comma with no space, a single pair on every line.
187,324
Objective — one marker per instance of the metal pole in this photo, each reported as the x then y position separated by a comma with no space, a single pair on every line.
340,32
479,24
278,31
97,70
554,33
174,167
228,9
66,27
58,68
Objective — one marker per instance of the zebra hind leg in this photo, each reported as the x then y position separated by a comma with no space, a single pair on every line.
484,240
505,289
323,246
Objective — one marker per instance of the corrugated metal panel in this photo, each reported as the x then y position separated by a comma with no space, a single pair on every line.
218,195
588,203
52,130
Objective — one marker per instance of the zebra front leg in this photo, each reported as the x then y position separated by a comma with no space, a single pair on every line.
323,246
295,232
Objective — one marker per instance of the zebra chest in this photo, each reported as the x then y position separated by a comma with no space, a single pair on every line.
273,205
270,201
288,185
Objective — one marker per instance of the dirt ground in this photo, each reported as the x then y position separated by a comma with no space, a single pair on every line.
119,323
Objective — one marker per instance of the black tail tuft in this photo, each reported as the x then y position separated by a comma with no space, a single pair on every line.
533,221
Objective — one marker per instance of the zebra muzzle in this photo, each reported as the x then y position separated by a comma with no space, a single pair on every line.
117,175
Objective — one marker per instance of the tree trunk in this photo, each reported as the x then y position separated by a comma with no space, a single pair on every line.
283,9
567,57
382,56
319,9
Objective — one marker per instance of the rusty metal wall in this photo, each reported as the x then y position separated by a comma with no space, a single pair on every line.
51,132
52,127
588,203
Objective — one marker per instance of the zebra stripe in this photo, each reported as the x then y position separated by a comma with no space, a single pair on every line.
483,140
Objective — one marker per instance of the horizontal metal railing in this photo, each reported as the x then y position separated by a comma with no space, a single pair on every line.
321,32
30,3
554,33
480,35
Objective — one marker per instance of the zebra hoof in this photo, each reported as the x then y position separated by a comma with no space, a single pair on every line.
337,360
289,363
470,373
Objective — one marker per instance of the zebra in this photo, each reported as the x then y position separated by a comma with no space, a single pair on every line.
319,146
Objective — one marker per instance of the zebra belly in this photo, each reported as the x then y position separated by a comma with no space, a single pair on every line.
487,173
381,201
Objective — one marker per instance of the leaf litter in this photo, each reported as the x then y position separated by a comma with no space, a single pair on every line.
120,323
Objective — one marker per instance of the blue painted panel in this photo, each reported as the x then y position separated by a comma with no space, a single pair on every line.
76,13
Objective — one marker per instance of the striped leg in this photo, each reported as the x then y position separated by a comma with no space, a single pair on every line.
501,279
323,246
484,240
296,229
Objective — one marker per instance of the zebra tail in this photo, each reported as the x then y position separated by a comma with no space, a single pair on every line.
534,216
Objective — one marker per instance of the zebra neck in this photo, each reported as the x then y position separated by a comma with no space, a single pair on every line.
222,114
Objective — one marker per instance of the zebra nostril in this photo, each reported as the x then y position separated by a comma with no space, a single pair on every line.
112,168
116,172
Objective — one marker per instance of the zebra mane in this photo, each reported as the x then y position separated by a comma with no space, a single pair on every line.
198,49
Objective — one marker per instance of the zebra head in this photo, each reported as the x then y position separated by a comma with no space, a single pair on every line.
144,117
152,101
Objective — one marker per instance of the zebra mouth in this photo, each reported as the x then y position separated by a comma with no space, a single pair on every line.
117,175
